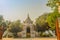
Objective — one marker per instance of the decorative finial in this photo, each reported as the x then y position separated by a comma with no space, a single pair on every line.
28,15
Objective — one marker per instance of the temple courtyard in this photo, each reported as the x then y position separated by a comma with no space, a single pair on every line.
30,39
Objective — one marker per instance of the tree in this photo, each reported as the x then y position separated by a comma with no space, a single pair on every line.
15,27
1,19
41,23
43,27
17,23
53,4
41,19
51,19
4,26
1,28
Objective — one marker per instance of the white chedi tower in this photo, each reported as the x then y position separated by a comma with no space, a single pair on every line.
28,28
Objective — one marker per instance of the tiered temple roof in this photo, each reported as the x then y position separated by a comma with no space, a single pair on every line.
28,20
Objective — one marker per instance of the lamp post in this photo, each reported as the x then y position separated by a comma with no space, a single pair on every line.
58,22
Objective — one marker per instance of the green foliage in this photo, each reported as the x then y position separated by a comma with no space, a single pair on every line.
15,26
41,23
2,23
52,3
51,19
1,20
41,19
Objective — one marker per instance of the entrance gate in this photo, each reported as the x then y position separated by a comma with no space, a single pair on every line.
28,32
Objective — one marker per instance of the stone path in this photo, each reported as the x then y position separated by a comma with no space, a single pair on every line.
30,39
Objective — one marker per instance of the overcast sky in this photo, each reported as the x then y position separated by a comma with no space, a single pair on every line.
18,9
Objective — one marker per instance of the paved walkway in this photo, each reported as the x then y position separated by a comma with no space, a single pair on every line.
31,39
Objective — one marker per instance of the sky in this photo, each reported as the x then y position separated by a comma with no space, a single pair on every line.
18,9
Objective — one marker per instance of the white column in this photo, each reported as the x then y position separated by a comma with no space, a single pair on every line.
24,31
32,31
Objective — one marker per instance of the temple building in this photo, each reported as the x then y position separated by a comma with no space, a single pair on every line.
28,28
